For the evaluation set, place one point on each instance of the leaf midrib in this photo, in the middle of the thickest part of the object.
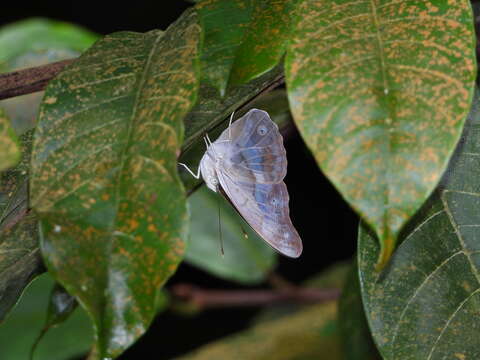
(123, 159)
(381, 56)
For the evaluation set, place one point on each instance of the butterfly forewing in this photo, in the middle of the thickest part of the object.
(255, 150)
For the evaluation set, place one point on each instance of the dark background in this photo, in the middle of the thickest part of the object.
(326, 224)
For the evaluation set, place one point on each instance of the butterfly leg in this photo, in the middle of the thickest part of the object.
(196, 176)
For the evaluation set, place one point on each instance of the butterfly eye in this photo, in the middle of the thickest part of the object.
(262, 130)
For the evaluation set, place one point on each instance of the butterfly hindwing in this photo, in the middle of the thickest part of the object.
(265, 208)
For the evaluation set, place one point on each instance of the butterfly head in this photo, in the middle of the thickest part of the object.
(208, 171)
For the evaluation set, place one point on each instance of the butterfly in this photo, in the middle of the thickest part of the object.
(247, 164)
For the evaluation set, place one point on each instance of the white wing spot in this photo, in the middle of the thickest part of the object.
(57, 228)
(262, 130)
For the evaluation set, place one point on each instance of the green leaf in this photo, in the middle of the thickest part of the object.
(18, 333)
(18, 231)
(20, 259)
(39, 35)
(265, 42)
(306, 335)
(246, 260)
(9, 149)
(36, 42)
(425, 304)
(357, 340)
(242, 39)
(224, 23)
(380, 94)
(60, 306)
(104, 182)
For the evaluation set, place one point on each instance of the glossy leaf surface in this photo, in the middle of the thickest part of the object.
(425, 304)
(9, 147)
(104, 181)
(246, 259)
(379, 91)
(20, 259)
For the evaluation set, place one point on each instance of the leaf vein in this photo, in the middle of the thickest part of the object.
(459, 307)
(417, 291)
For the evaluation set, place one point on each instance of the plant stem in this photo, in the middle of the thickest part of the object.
(209, 298)
(29, 80)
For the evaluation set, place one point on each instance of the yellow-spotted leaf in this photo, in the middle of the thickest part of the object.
(379, 91)
(425, 304)
(9, 149)
(104, 183)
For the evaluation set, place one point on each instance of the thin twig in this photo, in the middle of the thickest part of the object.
(278, 282)
(209, 298)
(29, 80)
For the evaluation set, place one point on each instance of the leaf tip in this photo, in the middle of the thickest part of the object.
(387, 246)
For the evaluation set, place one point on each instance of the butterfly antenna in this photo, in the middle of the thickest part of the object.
(230, 127)
(220, 228)
(208, 138)
(210, 141)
